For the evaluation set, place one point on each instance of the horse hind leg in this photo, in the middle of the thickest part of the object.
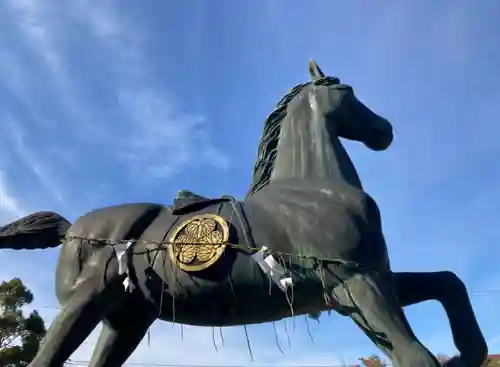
(77, 318)
(447, 288)
(74, 323)
(372, 303)
(122, 331)
(85, 295)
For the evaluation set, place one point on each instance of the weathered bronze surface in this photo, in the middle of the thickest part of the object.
(306, 211)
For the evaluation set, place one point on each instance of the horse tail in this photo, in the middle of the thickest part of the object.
(39, 230)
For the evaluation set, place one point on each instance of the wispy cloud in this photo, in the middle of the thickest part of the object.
(32, 159)
(10, 207)
(147, 130)
(31, 16)
(61, 135)
(41, 29)
(162, 141)
(159, 137)
(93, 112)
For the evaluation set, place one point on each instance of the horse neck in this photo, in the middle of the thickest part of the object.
(307, 151)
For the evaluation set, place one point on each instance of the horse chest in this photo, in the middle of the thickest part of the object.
(314, 219)
(329, 216)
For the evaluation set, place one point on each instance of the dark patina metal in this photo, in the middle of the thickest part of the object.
(306, 205)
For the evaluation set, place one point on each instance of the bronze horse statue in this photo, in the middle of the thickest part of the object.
(307, 238)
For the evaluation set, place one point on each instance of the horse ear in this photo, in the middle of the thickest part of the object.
(314, 70)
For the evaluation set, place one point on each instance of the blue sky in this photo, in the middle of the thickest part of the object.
(105, 102)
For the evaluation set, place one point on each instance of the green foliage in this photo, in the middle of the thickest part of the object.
(20, 336)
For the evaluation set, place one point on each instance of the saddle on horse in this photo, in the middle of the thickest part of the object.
(187, 201)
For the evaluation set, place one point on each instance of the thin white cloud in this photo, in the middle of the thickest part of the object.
(159, 136)
(146, 124)
(155, 134)
(10, 206)
(40, 25)
(30, 14)
(45, 174)
(151, 132)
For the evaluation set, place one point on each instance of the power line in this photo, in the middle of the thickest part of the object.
(136, 364)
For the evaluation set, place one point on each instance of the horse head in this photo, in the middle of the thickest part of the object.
(345, 115)
(300, 138)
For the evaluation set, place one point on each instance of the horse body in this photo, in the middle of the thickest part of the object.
(306, 205)
(234, 291)
(287, 216)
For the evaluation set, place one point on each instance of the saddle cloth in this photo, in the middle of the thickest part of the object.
(187, 202)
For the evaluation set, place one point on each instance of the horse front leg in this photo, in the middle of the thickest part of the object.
(371, 301)
(447, 288)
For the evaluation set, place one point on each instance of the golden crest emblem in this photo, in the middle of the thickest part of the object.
(199, 242)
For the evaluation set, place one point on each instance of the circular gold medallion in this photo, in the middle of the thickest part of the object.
(198, 242)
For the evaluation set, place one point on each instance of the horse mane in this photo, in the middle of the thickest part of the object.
(268, 145)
